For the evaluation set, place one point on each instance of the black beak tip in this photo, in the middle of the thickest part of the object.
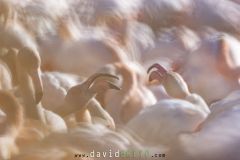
(112, 86)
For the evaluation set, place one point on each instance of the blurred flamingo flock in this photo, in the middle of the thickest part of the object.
(79, 77)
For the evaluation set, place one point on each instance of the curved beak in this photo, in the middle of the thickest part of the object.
(159, 67)
(113, 86)
(155, 75)
(102, 86)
